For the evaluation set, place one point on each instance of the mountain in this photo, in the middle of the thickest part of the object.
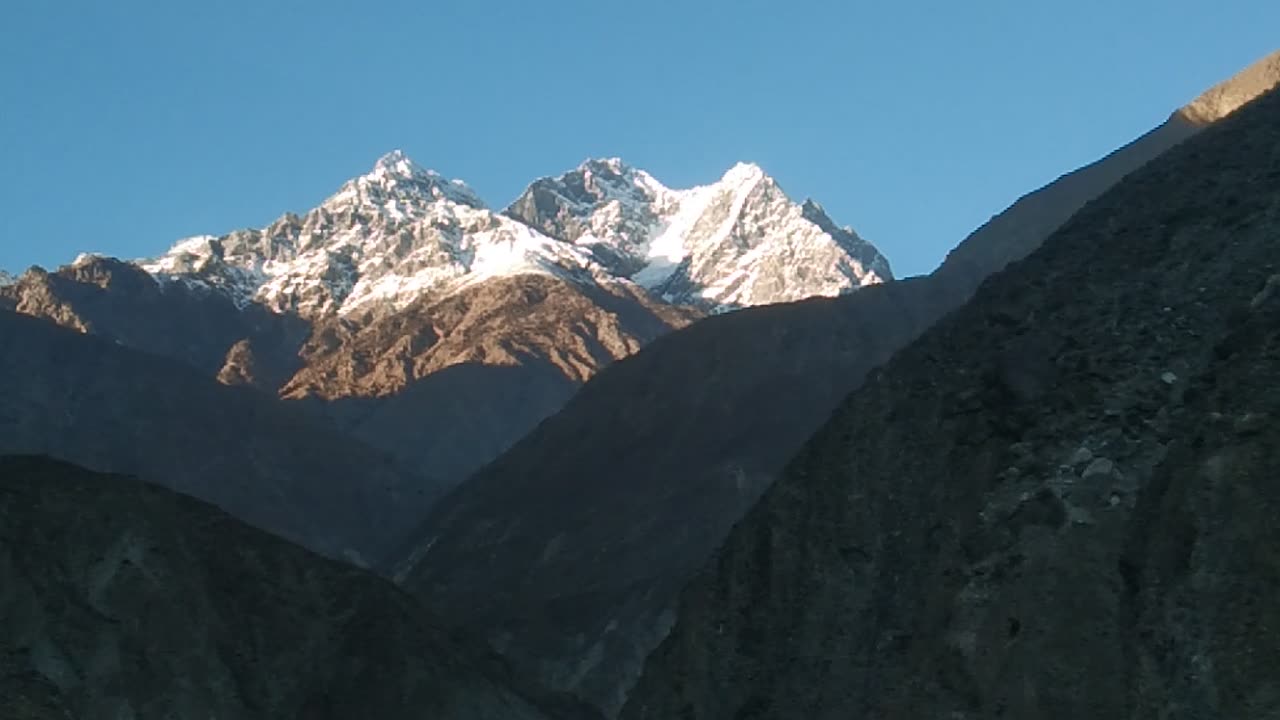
(121, 302)
(400, 232)
(123, 599)
(436, 329)
(1058, 503)
(448, 384)
(381, 242)
(735, 243)
(570, 548)
(113, 408)
(6, 279)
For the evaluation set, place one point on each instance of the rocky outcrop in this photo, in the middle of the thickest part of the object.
(121, 599)
(1078, 525)
(1229, 95)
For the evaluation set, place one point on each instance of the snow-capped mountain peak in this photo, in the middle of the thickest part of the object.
(743, 174)
(736, 242)
(399, 187)
(613, 179)
(385, 238)
(399, 164)
(400, 231)
(609, 164)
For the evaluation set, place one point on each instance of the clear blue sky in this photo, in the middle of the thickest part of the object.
(125, 125)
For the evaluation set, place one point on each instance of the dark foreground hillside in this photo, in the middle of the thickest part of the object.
(120, 599)
(1061, 502)
(569, 550)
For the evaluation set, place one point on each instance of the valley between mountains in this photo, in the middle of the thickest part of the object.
(620, 450)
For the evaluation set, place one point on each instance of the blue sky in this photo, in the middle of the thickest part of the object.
(125, 125)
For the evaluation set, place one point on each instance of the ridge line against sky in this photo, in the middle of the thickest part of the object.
(142, 123)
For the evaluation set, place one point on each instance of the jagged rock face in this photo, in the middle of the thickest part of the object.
(241, 367)
(575, 328)
(450, 384)
(735, 243)
(122, 599)
(710, 416)
(112, 408)
(604, 205)
(1081, 526)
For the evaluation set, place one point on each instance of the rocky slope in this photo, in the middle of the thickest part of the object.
(1058, 503)
(112, 408)
(122, 599)
(569, 548)
(450, 383)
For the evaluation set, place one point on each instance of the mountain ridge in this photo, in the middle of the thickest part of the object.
(352, 308)
(1229, 95)
(400, 231)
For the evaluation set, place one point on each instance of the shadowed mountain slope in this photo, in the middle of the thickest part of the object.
(568, 549)
(111, 408)
(122, 599)
(1058, 503)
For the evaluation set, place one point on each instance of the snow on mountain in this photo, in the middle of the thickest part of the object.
(737, 242)
(400, 231)
(388, 236)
